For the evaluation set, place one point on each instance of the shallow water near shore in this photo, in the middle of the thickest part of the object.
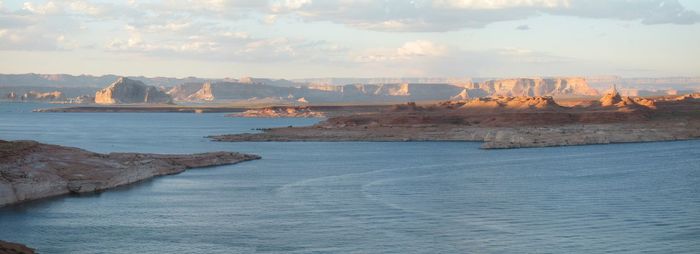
(363, 197)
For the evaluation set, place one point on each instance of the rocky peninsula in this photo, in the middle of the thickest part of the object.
(14, 248)
(30, 170)
(509, 122)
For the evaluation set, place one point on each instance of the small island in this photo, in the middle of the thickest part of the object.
(31, 170)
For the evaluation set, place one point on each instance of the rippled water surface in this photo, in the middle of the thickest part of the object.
(423, 197)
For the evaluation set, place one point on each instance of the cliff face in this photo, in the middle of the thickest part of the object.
(537, 87)
(203, 94)
(125, 90)
(396, 92)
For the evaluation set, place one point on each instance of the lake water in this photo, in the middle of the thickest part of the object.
(421, 197)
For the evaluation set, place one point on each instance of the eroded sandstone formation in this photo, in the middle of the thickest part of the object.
(30, 170)
(537, 87)
(126, 90)
(280, 111)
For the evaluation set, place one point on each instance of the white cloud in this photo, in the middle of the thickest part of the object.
(408, 51)
(49, 7)
(421, 48)
(281, 5)
(499, 4)
(446, 15)
(87, 8)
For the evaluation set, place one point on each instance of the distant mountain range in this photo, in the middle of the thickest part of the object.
(332, 90)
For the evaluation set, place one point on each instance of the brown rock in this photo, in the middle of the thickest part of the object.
(125, 90)
(273, 112)
(14, 248)
(30, 170)
(38, 96)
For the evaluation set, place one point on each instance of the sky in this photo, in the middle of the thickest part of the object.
(352, 38)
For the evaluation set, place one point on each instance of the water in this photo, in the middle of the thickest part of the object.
(428, 197)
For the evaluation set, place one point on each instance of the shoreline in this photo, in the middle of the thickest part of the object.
(490, 138)
(141, 108)
(31, 170)
(507, 122)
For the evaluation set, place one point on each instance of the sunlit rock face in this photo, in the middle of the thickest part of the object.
(38, 96)
(126, 90)
(383, 92)
(614, 99)
(537, 87)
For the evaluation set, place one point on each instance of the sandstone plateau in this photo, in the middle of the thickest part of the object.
(396, 92)
(126, 90)
(508, 122)
(30, 170)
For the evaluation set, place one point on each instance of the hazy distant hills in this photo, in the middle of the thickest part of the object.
(65, 80)
(390, 92)
(235, 91)
(332, 90)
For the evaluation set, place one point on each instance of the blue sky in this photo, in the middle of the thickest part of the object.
(352, 38)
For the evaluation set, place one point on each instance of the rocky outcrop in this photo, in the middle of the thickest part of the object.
(126, 90)
(688, 97)
(14, 248)
(83, 99)
(276, 112)
(37, 96)
(614, 99)
(30, 170)
(513, 103)
(203, 94)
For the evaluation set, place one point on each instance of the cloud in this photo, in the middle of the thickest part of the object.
(49, 7)
(523, 27)
(447, 15)
(499, 4)
(245, 31)
(425, 58)
(229, 46)
(408, 51)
